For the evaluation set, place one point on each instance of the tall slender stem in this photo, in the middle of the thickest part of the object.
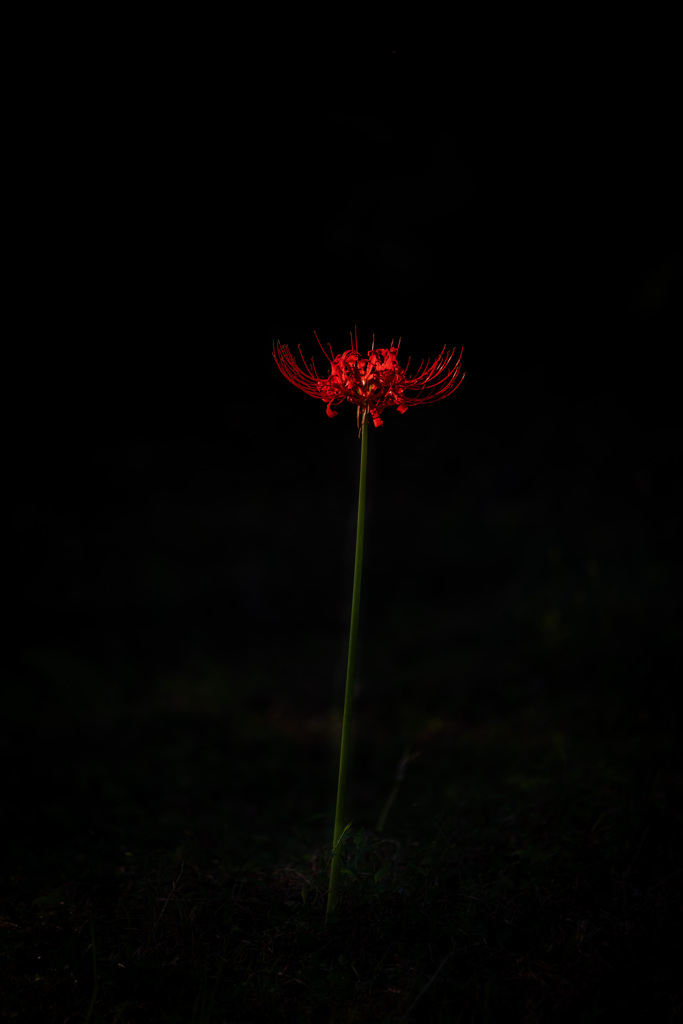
(335, 868)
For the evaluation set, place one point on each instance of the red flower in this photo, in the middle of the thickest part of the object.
(374, 382)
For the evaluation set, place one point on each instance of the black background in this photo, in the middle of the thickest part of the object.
(175, 500)
(181, 519)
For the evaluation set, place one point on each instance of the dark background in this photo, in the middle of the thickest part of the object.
(179, 548)
(181, 217)
(178, 509)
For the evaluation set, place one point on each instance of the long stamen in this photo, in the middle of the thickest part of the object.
(320, 343)
(374, 382)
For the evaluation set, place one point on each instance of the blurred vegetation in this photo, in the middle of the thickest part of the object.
(171, 728)
(166, 852)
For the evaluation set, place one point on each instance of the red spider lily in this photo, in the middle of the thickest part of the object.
(374, 382)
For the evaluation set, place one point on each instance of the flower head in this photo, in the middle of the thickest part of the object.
(373, 382)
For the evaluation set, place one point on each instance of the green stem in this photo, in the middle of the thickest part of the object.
(335, 868)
